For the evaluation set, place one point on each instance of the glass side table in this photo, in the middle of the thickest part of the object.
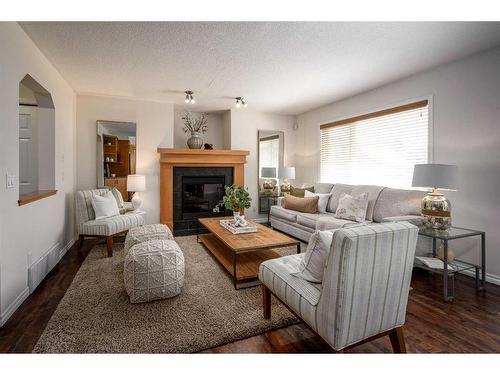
(450, 269)
(266, 200)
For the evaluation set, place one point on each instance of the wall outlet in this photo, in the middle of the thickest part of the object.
(10, 181)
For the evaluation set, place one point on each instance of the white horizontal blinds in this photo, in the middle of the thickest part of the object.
(269, 153)
(376, 149)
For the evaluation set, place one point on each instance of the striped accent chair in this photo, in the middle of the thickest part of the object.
(108, 227)
(364, 291)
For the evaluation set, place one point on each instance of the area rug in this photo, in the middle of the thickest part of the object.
(95, 315)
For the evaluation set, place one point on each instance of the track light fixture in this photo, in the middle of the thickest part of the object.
(240, 102)
(189, 97)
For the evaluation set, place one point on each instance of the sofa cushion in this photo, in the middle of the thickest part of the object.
(321, 187)
(337, 191)
(299, 192)
(111, 225)
(301, 295)
(328, 222)
(397, 202)
(307, 220)
(284, 213)
(309, 205)
(373, 192)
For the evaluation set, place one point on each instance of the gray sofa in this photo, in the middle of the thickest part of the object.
(385, 205)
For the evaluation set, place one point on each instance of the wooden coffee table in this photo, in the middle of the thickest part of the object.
(242, 254)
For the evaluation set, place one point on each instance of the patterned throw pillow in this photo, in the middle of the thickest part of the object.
(312, 265)
(118, 196)
(352, 208)
(300, 192)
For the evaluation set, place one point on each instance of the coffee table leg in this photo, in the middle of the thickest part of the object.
(298, 248)
(235, 280)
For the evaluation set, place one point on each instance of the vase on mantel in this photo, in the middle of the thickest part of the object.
(195, 141)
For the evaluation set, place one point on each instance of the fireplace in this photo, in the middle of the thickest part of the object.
(197, 190)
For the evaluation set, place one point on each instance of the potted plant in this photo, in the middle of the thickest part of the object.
(236, 199)
(195, 126)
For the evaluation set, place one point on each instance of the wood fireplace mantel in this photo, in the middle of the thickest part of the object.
(184, 157)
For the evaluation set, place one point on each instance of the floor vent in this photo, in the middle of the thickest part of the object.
(42, 267)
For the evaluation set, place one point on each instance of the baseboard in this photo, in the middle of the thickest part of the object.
(14, 306)
(490, 278)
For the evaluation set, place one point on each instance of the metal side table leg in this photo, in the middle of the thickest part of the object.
(483, 261)
(446, 296)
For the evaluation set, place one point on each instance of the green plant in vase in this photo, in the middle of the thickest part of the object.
(236, 199)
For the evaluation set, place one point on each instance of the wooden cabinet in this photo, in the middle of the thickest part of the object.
(120, 183)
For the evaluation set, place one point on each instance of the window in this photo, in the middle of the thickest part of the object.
(269, 152)
(378, 148)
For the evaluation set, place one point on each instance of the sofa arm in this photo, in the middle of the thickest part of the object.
(412, 219)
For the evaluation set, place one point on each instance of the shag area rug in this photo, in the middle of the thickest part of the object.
(95, 315)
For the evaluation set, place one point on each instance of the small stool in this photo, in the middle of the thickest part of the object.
(153, 270)
(145, 233)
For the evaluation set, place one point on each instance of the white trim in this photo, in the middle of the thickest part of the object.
(11, 309)
(490, 278)
(64, 250)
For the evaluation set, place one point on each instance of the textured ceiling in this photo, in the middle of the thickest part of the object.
(277, 67)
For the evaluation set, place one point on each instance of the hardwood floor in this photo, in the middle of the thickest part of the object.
(470, 324)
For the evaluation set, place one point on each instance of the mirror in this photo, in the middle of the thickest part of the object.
(116, 154)
(271, 157)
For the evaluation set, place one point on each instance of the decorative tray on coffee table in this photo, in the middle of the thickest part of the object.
(230, 226)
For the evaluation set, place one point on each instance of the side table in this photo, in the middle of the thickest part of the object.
(450, 269)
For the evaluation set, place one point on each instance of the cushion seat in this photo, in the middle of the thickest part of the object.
(283, 213)
(328, 222)
(110, 225)
(299, 294)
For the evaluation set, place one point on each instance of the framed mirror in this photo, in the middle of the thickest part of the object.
(271, 149)
(116, 154)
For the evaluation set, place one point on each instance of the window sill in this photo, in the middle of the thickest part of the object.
(35, 196)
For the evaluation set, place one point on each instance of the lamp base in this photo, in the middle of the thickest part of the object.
(436, 211)
(285, 186)
(136, 202)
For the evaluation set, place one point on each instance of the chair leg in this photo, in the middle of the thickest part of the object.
(109, 245)
(266, 302)
(398, 340)
(81, 238)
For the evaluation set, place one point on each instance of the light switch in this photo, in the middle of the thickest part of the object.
(11, 181)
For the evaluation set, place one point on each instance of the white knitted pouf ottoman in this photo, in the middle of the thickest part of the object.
(145, 233)
(153, 270)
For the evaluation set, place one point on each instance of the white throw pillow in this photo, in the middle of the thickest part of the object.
(313, 263)
(104, 206)
(322, 201)
(352, 208)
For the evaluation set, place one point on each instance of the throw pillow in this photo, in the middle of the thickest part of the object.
(104, 206)
(322, 202)
(118, 196)
(300, 192)
(307, 205)
(312, 265)
(352, 208)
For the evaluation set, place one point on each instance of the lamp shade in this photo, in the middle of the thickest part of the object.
(268, 172)
(286, 172)
(136, 182)
(442, 176)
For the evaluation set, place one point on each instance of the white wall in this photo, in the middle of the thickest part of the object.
(27, 232)
(244, 126)
(155, 124)
(466, 132)
(214, 135)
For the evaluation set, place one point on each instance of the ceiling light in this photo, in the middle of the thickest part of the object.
(189, 97)
(240, 102)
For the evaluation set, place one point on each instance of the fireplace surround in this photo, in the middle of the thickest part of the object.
(214, 163)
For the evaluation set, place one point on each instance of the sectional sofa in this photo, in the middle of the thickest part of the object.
(385, 205)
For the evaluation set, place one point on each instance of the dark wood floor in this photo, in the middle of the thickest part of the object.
(470, 324)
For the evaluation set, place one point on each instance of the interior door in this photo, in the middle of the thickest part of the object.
(28, 150)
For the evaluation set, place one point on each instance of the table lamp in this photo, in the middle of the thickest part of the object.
(436, 209)
(135, 183)
(286, 173)
(269, 173)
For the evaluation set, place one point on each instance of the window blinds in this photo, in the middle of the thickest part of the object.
(380, 148)
(269, 153)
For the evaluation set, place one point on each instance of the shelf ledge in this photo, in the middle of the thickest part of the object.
(35, 196)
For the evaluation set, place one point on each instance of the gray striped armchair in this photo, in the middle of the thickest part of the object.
(364, 292)
(106, 228)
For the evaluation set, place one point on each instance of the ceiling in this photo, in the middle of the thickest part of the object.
(278, 67)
